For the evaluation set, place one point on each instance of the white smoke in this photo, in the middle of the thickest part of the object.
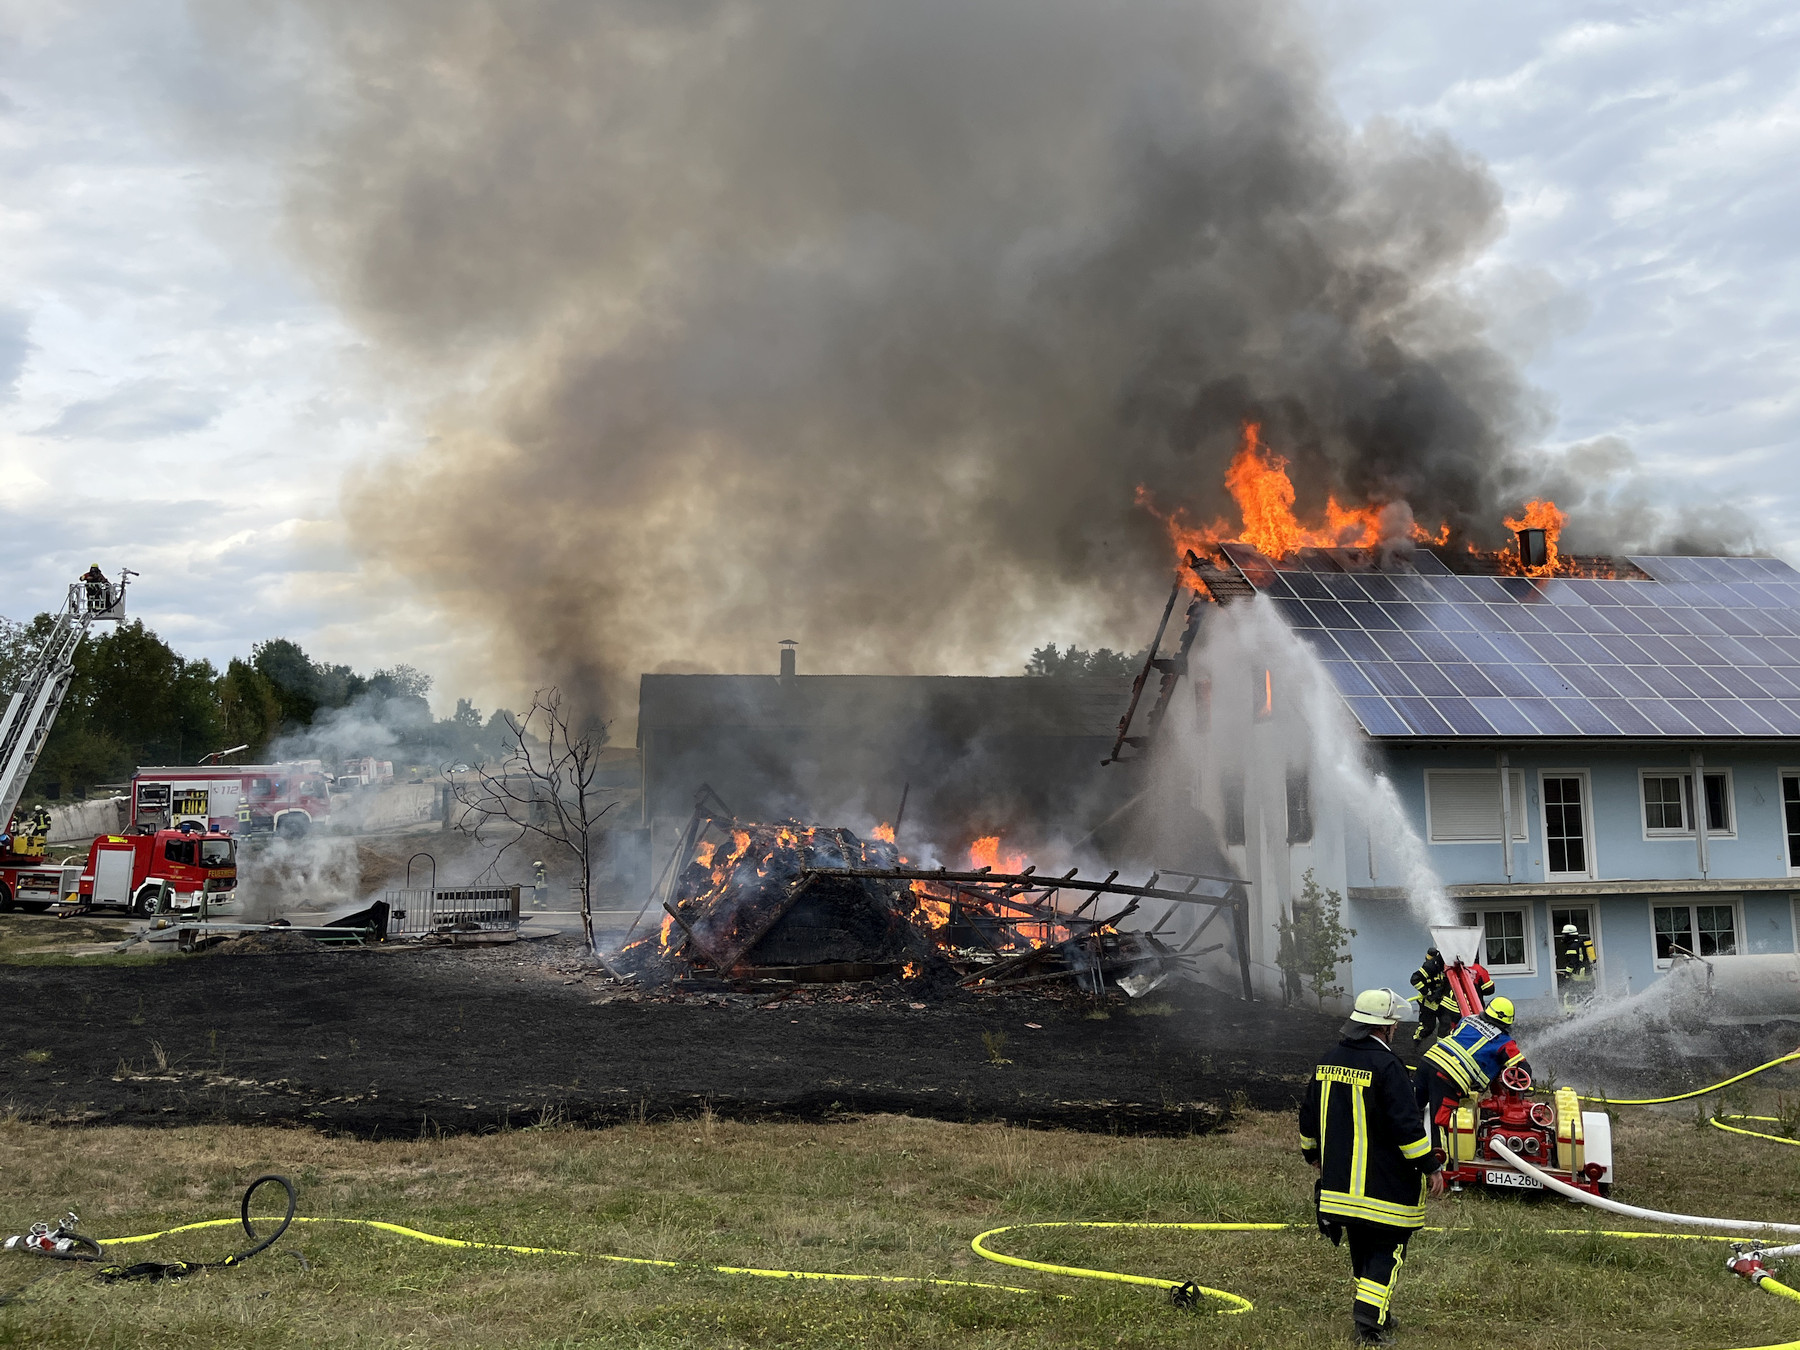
(1265, 713)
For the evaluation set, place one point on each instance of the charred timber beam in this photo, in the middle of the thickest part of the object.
(693, 937)
(773, 917)
(1023, 882)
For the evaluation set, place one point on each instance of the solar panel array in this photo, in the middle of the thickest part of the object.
(1706, 647)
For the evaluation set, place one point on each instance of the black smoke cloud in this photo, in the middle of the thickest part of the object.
(858, 322)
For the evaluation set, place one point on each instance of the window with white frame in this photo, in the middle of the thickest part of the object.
(1790, 819)
(1669, 806)
(1568, 831)
(1462, 806)
(1506, 947)
(1694, 930)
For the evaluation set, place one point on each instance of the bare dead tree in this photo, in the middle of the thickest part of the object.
(542, 789)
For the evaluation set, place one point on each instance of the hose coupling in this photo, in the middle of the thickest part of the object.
(1749, 1263)
(1186, 1294)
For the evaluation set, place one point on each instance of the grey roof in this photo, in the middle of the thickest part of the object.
(974, 706)
(1692, 647)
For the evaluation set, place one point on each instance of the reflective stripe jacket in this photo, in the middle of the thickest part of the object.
(1473, 1054)
(1361, 1124)
(1429, 980)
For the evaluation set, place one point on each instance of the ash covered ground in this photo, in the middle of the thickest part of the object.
(402, 1040)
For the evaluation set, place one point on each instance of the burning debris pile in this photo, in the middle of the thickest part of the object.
(805, 904)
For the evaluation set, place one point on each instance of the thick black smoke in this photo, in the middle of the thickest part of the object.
(859, 321)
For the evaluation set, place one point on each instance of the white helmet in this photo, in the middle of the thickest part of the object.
(1569, 930)
(1380, 1008)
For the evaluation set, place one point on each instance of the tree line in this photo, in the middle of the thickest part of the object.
(134, 700)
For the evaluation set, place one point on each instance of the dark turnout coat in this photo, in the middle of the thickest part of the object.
(1361, 1124)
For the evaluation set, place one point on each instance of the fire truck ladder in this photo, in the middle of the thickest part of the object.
(32, 710)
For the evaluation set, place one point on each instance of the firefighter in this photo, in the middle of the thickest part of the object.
(40, 822)
(539, 884)
(98, 591)
(243, 815)
(1463, 1063)
(1359, 1126)
(1437, 1006)
(1574, 964)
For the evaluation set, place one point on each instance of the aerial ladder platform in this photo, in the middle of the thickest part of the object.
(31, 711)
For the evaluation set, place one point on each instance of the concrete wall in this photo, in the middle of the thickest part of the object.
(84, 820)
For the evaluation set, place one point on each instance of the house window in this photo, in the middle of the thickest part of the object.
(1462, 806)
(1233, 791)
(1506, 939)
(1299, 808)
(1694, 930)
(1790, 809)
(1665, 804)
(1669, 802)
(1566, 851)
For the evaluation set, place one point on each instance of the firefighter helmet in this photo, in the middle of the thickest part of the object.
(1501, 1010)
(1569, 930)
(1378, 1007)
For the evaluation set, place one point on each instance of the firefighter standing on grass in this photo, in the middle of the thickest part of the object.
(1360, 1127)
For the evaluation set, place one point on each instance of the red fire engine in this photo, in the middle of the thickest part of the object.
(189, 869)
(286, 799)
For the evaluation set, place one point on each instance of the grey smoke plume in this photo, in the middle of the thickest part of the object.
(859, 322)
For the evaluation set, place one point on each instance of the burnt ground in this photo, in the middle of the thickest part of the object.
(384, 1042)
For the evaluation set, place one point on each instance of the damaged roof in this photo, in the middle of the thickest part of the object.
(1686, 648)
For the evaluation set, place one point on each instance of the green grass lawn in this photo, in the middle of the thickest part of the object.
(886, 1195)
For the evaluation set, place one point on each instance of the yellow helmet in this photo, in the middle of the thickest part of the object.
(1501, 1010)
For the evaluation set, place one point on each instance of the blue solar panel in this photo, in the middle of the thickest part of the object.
(1704, 647)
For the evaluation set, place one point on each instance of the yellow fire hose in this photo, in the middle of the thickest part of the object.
(1184, 1292)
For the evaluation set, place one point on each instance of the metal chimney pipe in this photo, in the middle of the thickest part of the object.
(787, 658)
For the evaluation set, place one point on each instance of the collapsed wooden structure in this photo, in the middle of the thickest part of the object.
(785, 901)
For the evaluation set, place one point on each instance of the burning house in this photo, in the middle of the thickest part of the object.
(1519, 740)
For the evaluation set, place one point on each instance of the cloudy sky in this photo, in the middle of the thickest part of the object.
(175, 396)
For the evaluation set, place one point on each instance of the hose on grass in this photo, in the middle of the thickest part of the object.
(175, 1270)
(1697, 1092)
(438, 1240)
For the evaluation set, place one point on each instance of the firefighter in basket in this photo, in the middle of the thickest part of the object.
(1438, 1014)
(1360, 1128)
(1476, 1052)
(1574, 965)
(99, 591)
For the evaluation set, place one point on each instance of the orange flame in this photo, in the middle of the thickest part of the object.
(1539, 515)
(1258, 481)
(985, 852)
(885, 832)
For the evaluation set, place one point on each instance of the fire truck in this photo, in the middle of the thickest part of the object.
(187, 870)
(27, 881)
(152, 870)
(282, 799)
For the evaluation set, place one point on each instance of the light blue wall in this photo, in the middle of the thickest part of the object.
(1390, 939)
(1620, 849)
